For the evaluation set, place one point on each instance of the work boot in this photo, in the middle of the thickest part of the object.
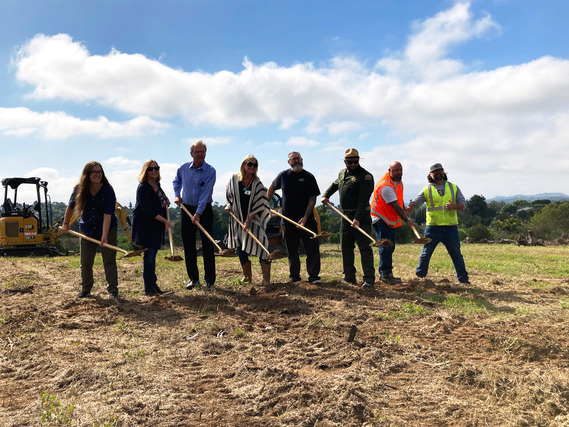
(389, 278)
(266, 270)
(247, 275)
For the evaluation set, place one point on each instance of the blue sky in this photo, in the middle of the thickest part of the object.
(481, 86)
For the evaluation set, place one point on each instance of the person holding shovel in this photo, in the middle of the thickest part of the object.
(355, 186)
(443, 200)
(248, 206)
(299, 190)
(93, 199)
(149, 222)
(387, 215)
(193, 186)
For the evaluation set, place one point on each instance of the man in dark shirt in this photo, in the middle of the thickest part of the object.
(299, 190)
(355, 185)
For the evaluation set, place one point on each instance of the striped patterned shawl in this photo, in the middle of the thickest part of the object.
(257, 203)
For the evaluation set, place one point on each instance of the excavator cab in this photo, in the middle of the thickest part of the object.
(26, 229)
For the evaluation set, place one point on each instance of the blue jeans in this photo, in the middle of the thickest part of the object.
(149, 270)
(448, 236)
(384, 231)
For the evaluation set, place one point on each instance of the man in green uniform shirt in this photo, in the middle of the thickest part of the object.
(355, 185)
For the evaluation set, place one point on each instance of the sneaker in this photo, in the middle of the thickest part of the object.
(367, 285)
(389, 278)
(315, 282)
(192, 284)
(83, 294)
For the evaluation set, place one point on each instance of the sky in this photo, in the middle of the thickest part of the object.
(481, 86)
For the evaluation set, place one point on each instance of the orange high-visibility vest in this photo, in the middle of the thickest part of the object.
(384, 210)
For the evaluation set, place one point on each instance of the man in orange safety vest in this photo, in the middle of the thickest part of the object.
(387, 214)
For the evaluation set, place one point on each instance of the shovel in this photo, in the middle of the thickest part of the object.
(277, 254)
(383, 243)
(126, 253)
(224, 252)
(172, 257)
(419, 239)
(319, 236)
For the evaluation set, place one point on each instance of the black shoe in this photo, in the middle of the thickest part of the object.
(83, 294)
(158, 290)
(466, 282)
(152, 294)
(294, 280)
(367, 285)
(389, 278)
(114, 295)
(210, 287)
(192, 284)
(351, 280)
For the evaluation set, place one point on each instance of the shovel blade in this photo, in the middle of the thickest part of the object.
(134, 253)
(278, 254)
(322, 236)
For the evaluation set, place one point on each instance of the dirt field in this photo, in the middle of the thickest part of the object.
(426, 352)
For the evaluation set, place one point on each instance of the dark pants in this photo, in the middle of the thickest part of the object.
(149, 270)
(244, 257)
(293, 236)
(189, 239)
(88, 252)
(448, 236)
(384, 231)
(348, 238)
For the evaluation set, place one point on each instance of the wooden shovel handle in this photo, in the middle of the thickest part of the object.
(170, 232)
(200, 227)
(415, 231)
(249, 232)
(294, 223)
(116, 248)
(350, 221)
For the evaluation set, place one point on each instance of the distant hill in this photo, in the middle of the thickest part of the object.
(554, 197)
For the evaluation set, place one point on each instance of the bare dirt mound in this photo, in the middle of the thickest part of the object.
(278, 355)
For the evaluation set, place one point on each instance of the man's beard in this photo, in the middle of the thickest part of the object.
(439, 176)
(297, 168)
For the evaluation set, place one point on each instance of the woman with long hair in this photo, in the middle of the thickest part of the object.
(149, 222)
(247, 200)
(94, 200)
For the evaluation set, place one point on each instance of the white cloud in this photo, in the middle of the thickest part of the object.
(301, 141)
(21, 121)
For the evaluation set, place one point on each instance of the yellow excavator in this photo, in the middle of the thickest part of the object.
(30, 229)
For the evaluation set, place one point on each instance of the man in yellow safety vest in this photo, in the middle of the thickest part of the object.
(443, 200)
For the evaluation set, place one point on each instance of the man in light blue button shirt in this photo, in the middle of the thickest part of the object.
(193, 186)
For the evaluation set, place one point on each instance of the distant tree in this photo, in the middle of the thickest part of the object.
(510, 209)
(479, 233)
(541, 202)
(551, 221)
(522, 203)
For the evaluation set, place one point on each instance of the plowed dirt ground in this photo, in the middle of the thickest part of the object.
(426, 352)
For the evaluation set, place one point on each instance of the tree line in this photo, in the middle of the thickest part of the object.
(479, 221)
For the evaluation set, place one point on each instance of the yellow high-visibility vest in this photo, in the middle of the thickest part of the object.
(437, 214)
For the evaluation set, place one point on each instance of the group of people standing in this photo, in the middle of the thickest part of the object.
(94, 200)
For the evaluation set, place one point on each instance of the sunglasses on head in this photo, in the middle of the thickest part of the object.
(156, 168)
(251, 164)
(352, 162)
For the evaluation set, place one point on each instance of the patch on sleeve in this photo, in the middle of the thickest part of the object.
(368, 177)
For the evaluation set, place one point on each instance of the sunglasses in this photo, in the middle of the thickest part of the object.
(251, 164)
(352, 162)
(157, 168)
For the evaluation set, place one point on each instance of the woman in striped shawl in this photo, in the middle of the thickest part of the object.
(247, 199)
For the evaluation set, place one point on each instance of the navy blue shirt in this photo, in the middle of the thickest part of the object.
(297, 189)
(104, 202)
(146, 230)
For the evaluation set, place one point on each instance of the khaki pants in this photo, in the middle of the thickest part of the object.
(88, 252)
